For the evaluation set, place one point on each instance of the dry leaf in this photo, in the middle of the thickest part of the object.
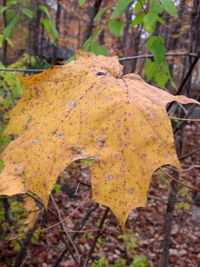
(87, 109)
(31, 207)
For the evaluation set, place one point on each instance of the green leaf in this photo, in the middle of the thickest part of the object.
(137, 20)
(3, 9)
(27, 12)
(149, 20)
(8, 30)
(116, 27)
(150, 41)
(53, 30)
(161, 79)
(70, 60)
(167, 72)
(139, 5)
(1, 40)
(150, 69)
(158, 49)
(81, 2)
(148, 28)
(9, 41)
(120, 7)
(98, 49)
(173, 84)
(165, 68)
(87, 43)
(156, 8)
(49, 26)
(45, 10)
(2, 165)
(161, 20)
(170, 7)
(10, 14)
(100, 13)
(12, 2)
(46, 23)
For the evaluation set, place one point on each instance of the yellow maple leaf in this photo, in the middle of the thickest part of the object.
(88, 109)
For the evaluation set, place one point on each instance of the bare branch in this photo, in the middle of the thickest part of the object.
(78, 261)
(96, 237)
(120, 59)
(151, 56)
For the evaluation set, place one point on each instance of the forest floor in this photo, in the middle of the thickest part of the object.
(145, 226)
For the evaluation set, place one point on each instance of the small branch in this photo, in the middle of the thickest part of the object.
(168, 223)
(78, 261)
(96, 237)
(184, 119)
(166, 199)
(143, 7)
(53, 225)
(158, 198)
(177, 181)
(78, 228)
(22, 70)
(7, 210)
(181, 123)
(22, 252)
(190, 167)
(189, 73)
(80, 182)
(120, 59)
(186, 77)
(151, 56)
(40, 203)
(83, 231)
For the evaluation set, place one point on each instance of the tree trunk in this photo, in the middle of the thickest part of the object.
(92, 13)
(5, 43)
(58, 12)
(36, 30)
(102, 33)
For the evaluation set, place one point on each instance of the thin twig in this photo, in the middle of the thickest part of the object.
(120, 59)
(158, 198)
(189, 73)
(40, 202)
(177, 181)
(166, 200)
(168, 223)
(189, 154)
(78, 261)
(184, 119)
(81, 231)
(151, 56)
(78, 228)
(186, 77)
(53, 225)
(181, 123)
(143, 7)
(96, 237)
(22, 70)
(22, 252)
(80, 182)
